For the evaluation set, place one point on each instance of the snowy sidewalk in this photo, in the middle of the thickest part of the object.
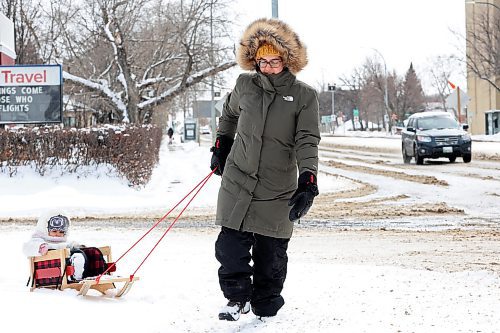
(179, 292)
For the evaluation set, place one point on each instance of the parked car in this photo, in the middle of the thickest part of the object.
(435, 134)
(205, 130)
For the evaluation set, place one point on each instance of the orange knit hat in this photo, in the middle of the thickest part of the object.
(266, 50)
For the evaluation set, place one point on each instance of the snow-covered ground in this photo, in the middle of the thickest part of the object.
(178, 290)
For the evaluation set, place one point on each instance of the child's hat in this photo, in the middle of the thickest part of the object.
(58, 223)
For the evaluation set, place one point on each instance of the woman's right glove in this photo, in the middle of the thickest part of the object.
(220, 151)
(303, 197)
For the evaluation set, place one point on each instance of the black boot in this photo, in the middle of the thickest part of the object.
(232, 310)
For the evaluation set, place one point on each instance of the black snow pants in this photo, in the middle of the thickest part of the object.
(232, 250)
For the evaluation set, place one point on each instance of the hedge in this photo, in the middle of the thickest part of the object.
(132, 151)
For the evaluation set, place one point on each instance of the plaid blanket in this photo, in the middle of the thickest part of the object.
(96, 264)
(43, 269)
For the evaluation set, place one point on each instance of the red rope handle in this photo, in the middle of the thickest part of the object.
(203, 182)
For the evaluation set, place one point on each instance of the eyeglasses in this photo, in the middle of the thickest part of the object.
(274, 63)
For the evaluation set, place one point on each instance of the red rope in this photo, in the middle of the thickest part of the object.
(202, 182)
(172, 224)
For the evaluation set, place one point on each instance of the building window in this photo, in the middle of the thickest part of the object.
(492, 123)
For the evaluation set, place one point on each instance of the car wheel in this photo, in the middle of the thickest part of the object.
(406, 158)
(453, 159)
(467, 158)
(418, 159)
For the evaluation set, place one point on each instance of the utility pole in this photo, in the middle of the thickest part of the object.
(186, 96)
(332, 117)
(213, 121)
(275, 8)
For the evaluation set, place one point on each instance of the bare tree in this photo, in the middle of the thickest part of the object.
(132, 56)
(354, 83)
(439, 71)
(367, 82)
(483, 44)
(26, 16)
(395, 85)
(374, 91)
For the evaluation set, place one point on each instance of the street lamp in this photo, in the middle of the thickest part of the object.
(386, 101)
(332, 89)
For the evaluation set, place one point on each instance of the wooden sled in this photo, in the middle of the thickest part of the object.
(50, 271)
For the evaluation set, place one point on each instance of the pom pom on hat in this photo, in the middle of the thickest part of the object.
(266, 50)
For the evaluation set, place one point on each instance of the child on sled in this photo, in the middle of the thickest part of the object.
(51, 233)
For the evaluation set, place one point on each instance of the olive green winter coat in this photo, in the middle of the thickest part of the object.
(275, 119)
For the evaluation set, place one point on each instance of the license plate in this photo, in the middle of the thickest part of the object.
(447, 149)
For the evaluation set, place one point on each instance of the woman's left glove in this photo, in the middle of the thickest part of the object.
(303, 197)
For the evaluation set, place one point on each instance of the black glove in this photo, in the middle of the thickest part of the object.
(220, 151)
(303, 197)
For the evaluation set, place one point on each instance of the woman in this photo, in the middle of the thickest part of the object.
(275, 117)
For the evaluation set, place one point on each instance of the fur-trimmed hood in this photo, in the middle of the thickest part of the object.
(277, 33)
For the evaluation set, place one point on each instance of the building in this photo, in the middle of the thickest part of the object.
(77, 114)
(483, 36)
(7, 44)
(203, 109)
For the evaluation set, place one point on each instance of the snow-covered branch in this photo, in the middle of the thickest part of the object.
(191, 80)
(103, 88)
(145, 80)
(115, 44)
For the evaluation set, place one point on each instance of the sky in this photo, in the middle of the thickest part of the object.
(341, 34)
(178, 289)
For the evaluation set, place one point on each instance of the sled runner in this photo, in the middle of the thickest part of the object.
(53, 269)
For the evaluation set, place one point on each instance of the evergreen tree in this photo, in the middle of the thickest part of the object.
(412, 97)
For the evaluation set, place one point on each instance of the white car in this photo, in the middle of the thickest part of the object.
(205, 130)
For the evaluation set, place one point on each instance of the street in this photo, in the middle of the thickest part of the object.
(390, 193)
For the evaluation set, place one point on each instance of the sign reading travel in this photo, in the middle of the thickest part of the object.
(30, 94)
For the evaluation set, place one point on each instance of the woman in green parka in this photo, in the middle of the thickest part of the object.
(268, 135)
